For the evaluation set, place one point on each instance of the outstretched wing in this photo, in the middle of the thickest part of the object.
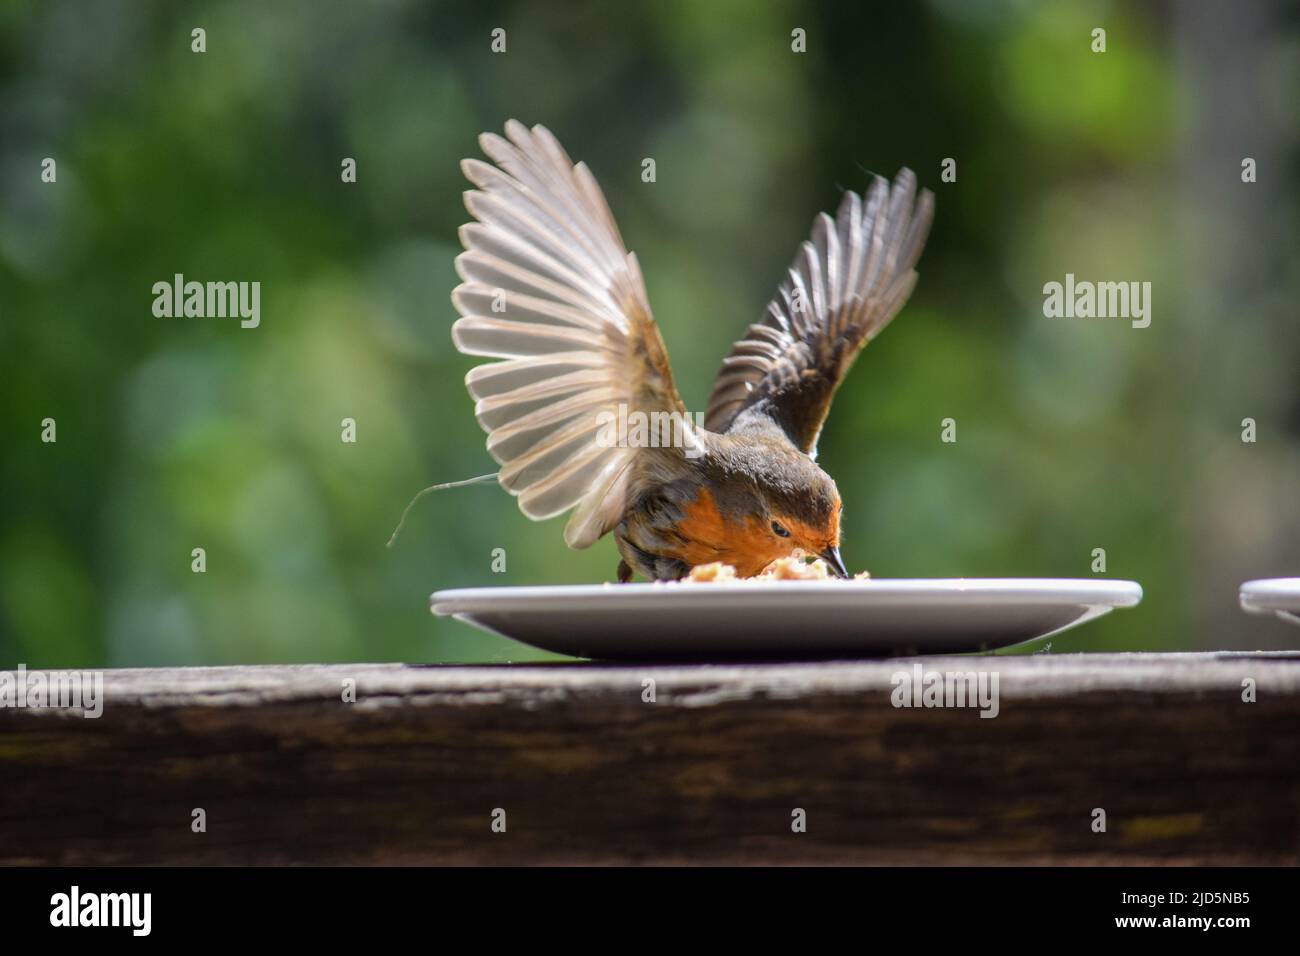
(846, 283)
(549, 288)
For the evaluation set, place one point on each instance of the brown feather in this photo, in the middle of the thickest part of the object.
(845, 285)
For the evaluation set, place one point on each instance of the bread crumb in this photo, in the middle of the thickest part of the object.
(782, 569)
(795, 569)
(714, 571)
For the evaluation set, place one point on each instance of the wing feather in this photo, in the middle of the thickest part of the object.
(548, 286)
(848, 280)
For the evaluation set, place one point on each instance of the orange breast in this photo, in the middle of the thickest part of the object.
(709, 536)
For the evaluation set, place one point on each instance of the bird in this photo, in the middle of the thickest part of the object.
(551, 295)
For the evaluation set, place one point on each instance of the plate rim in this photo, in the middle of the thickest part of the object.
(1268, 595)
(1092, 592)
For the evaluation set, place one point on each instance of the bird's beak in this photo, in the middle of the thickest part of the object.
(832, 557)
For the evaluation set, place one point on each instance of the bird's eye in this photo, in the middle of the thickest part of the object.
(780, 529)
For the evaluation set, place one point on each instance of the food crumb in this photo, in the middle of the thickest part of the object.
(795, 569)
(714, 571)
(782, 569)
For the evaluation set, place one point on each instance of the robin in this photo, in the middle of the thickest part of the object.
(550, 289)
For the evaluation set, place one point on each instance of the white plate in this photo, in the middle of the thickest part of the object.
(790, 620)
(1280, 596)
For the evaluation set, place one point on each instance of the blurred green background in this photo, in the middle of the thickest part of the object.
(1073, 434)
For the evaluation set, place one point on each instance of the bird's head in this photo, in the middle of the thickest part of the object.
(803, 509)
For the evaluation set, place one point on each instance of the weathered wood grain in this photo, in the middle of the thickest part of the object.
(710, 772)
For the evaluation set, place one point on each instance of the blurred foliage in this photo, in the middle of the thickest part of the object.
(1072, 434)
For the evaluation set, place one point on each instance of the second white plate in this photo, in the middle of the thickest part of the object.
(1280, 596)
(785, 620)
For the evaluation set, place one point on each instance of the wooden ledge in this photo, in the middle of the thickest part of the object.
(713, 770)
